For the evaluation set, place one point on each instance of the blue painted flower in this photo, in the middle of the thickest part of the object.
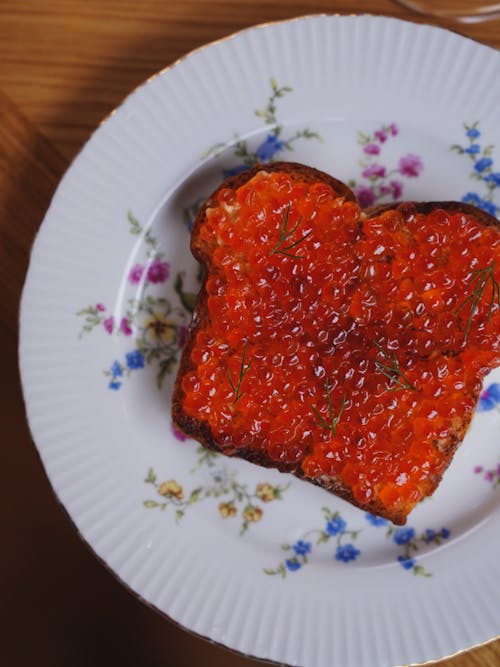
(407, 562)
(483, 164)
(114, 385)
(489, 398)
(346, 552)
(493, 178)
(292, 564)
(269, 147)
(445, 533)
(375, 520)
(302, 548)
(473, 149)
(135, 360)
(471, 198)
(489, 207)
(474, 199)
(335, 526)
(429, 535)
(473, 133)
(116, 369)
(403, 535)
(233, 171)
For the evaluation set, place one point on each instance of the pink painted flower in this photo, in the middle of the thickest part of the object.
(489, 475)
(374, 171)
(396, 189)
(177, 433)
(393, 129)
(478, 469)
(385, 190)
(366, 196)
(158, 272)
(125, 327)
(109, 324)
(410, 165)
(371, 149)
(100, 307)
(135, 274)
(381, 136)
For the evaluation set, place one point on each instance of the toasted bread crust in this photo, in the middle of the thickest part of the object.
(200, 430)
(410, 208)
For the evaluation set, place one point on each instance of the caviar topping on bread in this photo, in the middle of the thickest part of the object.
(345, 347)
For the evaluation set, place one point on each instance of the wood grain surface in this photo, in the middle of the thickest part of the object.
(64, 65)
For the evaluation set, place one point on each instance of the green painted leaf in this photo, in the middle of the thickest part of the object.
(421, 571)
(195, 495)
(188, 299)
(135, 227)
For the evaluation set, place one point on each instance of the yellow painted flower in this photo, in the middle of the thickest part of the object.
(265, 492)
(252, 513)
(171, 488)
(227, 510)
(160, 329)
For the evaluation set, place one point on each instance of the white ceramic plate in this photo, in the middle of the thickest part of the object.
(256, 560)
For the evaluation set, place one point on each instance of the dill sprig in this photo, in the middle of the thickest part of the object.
(391, 370)
(480, 280)
(286, 233)
(243, 371)
(334, 419)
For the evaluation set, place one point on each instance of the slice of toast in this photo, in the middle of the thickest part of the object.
(345, 347)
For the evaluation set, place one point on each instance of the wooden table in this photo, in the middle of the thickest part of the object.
(64, 64)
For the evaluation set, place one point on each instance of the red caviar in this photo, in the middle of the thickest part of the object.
(308, 333)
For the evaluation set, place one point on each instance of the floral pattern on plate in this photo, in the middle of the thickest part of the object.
(489, 399)
(334, 527)
(274, 142)
(378, 181)
(156, 326)
(238, 499)
(406, 540)
(269, 149)
(488, 180)
(490, 475)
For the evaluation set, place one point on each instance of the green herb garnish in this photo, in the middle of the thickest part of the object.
(480, 280)
(391, 370)
(243, 371)
(285, 234)
(334, 419)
